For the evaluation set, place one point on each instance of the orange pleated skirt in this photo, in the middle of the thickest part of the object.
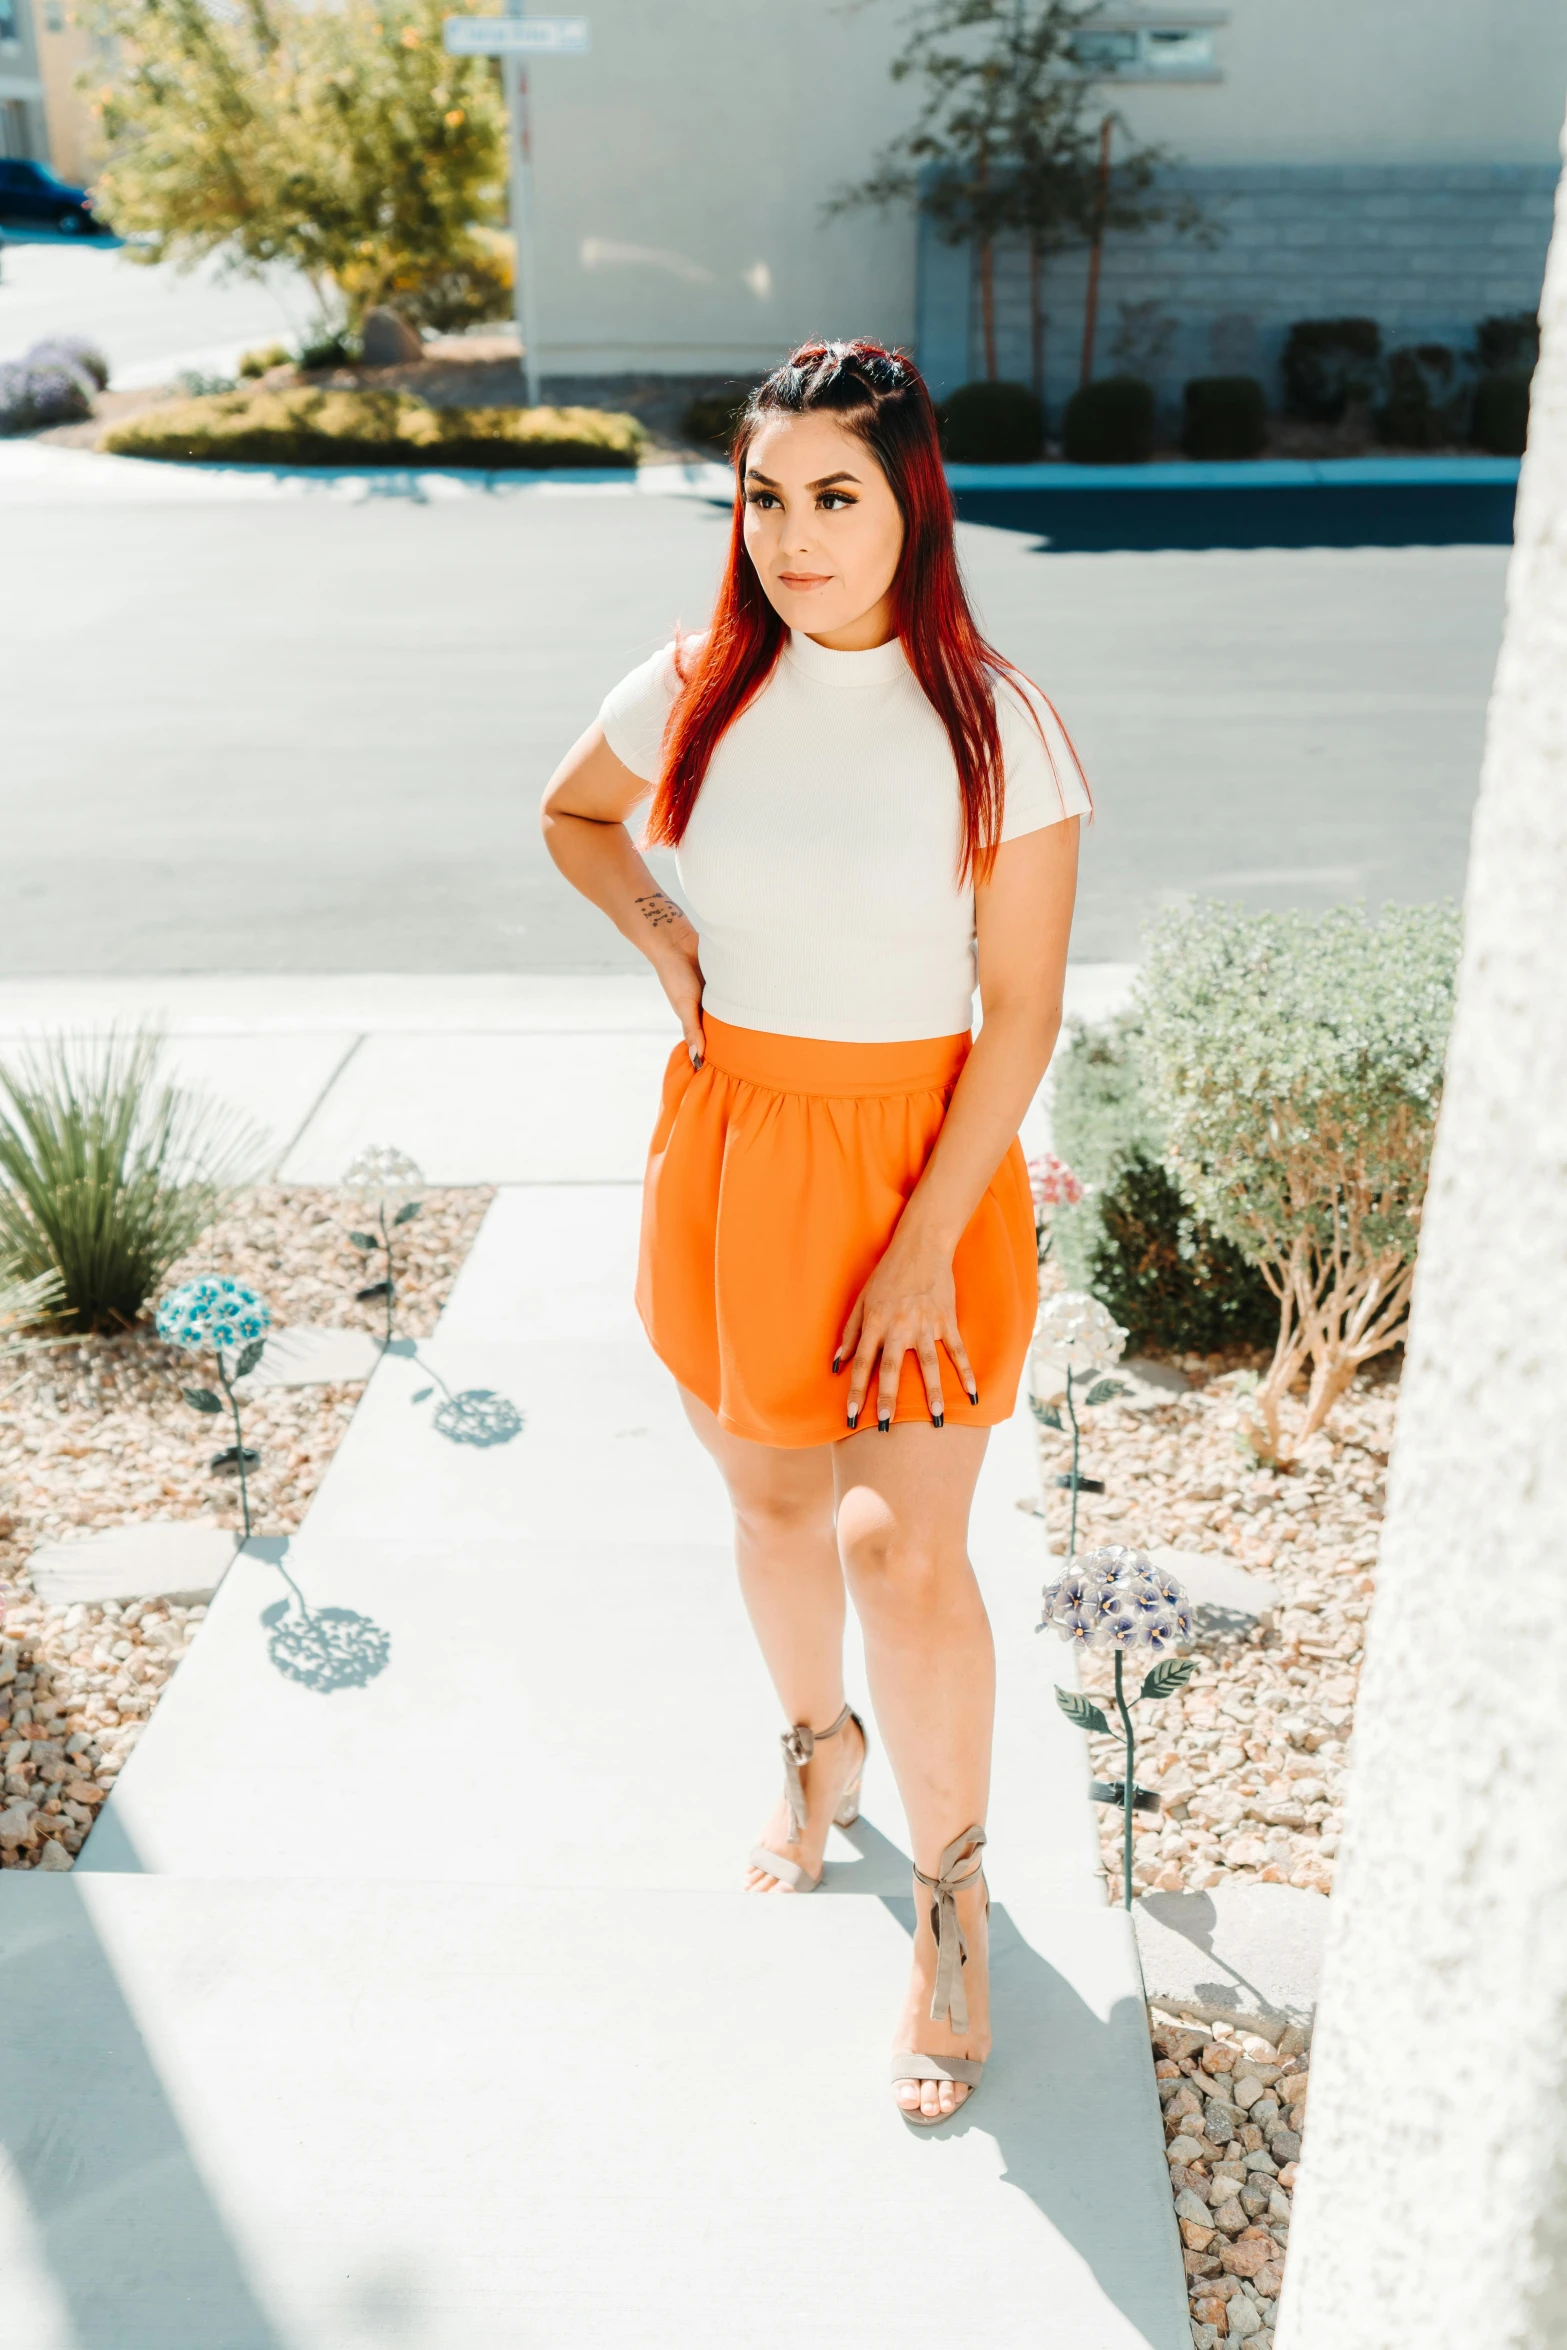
(775, 1178)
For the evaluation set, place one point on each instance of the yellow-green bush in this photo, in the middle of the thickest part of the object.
(317, 427)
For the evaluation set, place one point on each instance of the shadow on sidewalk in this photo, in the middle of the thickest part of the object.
(1069, 2099)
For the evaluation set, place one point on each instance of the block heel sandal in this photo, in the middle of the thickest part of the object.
(948, 2003)
(799, 1744)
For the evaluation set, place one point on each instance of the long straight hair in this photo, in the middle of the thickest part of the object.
(881, 398)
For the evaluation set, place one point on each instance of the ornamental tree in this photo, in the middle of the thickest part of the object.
(340, 141)
(1296, 1067)
(1006, 142)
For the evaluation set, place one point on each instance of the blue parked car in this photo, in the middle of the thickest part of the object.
(30, 192)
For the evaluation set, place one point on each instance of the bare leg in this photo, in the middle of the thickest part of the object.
(903, 1505)
(792, 1584)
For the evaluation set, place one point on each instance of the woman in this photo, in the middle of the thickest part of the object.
(869, 805)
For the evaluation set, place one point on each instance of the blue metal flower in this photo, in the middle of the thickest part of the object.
(220, 1314)
(1077, 1627)
(1146, 1598)
(1120, 1629)
(1161, 1634)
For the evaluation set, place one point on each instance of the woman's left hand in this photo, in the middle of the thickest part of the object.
(909, 1305)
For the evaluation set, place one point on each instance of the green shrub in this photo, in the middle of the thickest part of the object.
(318, 427)
(1499, 419)
(1508, 345)
(472, 287)
(1110, 422)
(710, 419)
(1295, 1065)
(1328, 362)
(327, 348)
(1224, 416)
(108, 1175)
(992, 424)
(1133, 1242)
(1420, 400)
(264, 359)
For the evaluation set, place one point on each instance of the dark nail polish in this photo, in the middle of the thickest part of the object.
(853, 1416)
(973, 1395)
(938, 1420)
(884, 1425)
(837, 1362)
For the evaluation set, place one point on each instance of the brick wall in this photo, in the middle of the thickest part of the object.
(1427, 251)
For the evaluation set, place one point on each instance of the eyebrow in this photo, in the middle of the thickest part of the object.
(753, 473)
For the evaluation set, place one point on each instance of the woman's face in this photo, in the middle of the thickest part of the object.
(823, 530)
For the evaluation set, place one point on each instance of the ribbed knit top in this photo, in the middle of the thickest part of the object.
(820, 862)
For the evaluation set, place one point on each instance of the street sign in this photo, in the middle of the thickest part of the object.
(516, 36)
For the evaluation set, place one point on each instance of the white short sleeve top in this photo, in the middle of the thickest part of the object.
(820, 862)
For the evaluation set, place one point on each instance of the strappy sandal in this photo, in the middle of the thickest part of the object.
(948, 2001)
(799, 1744)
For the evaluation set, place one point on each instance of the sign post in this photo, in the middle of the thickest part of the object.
(512, 38)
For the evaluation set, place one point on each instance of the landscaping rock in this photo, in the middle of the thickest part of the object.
(1246, 1955)
(388, 341)
(172, 1559)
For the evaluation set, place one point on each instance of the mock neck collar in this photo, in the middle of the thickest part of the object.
(876, 667)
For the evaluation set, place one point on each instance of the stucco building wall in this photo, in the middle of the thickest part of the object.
(1448, 1937)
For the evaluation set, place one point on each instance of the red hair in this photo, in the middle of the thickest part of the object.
(881, 398)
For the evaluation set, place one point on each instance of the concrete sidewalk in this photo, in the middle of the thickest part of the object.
(405, 1993)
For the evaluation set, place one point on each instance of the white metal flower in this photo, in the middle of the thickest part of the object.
(1116, 1598)
(221, 1314)
(382, 1176)
(1076, 1333)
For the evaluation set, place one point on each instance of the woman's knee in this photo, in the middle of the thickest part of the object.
(894, 1571)
(776, 1515)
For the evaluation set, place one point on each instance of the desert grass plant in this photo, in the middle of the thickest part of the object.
(109, 1173)
(1295, 1062)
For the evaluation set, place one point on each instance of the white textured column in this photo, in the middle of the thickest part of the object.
(1444, 2005)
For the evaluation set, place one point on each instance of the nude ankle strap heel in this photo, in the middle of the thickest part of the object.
(948, 2003)
(799, 1744)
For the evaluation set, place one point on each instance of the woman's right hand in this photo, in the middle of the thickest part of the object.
(679, 968)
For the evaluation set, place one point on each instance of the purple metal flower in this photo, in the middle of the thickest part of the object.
(1120, 1629)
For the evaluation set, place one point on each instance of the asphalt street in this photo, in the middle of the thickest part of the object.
(311, 735)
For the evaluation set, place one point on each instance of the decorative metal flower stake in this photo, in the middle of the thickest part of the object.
(382, 1178)
(1116, 1598)
(233, 1321)
(1076, 1338)
(1053, 1185)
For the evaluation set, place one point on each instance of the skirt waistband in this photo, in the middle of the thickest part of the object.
(824, 1065)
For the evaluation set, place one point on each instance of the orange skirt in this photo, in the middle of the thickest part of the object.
(776, 1176)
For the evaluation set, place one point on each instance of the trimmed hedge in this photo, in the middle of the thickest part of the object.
(1110, 422)
(992, 424)
(712, 419)
(1224, 416)
(1328, 362)
(1133, 1242)
(309, 427)
(1499, 420)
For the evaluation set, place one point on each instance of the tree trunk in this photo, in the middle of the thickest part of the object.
(987, 306)
(1036, 319)
(1445, 1991)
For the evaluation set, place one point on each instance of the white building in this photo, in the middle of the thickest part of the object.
(22, 129)
(1393, 158)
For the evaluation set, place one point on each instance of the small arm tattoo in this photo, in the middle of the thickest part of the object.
(659, 909)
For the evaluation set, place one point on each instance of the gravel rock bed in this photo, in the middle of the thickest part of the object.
(95, 1434)
(1250, 1759)
(1249, 1762)
(1234, 2109)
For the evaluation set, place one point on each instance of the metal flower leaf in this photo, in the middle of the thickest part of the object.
(407, 1213)
(364, 1240)
(1103, 1390)
(1045, 1413)
(1172, 1673)
(1080, 1710)
(201, 1399)
(250, 1358)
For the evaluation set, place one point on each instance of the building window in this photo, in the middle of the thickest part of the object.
(1163, 52)
(8, 21)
